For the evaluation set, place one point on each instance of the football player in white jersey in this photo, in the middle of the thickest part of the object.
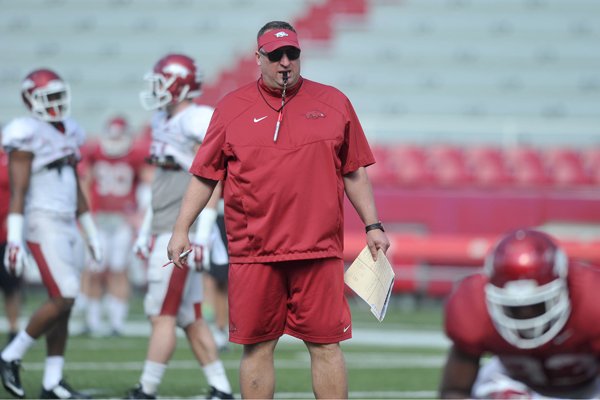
(46, 202)
(174, 296)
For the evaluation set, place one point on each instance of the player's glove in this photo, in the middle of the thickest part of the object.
(141, 246)
(201, 240)
(15, 257)
(91, 235)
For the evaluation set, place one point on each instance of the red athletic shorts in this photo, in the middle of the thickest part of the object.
(301, 298)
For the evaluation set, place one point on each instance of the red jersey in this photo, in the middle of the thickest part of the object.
(567, 361)
(114, 178)
(4, 195)
(284, 198)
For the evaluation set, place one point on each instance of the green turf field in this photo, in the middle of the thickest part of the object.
(398, 358)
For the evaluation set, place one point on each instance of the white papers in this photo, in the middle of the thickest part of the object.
(372, 280)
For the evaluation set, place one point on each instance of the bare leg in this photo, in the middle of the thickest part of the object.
(48, 315)
(330, 380)
(221, 308)
(257, 371)
(202, 342)
(118, 285)
(56, 337)
(118, 298)
(12, 306)
(162, 339)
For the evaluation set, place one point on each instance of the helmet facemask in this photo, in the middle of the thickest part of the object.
(50, 102)
(158, 94)
(174, 79)
(527, 315)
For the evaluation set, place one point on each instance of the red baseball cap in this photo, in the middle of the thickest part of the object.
(276, 38)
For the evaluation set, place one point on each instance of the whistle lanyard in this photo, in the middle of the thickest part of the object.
(280, 109)
(280, 115)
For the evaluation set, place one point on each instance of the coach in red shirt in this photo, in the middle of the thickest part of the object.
(286, 149)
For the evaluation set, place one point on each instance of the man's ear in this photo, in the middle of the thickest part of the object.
(258, 62)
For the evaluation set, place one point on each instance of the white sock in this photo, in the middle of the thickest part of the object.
(94, 315)
(118, 312)
(215, 375)
(152, 376)
(53, 371)
(17, 348)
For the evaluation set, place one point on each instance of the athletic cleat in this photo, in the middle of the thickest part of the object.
(62, 391)
(217, 394)
(138, 393)
(9, 372)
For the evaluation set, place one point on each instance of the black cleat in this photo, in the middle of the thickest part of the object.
(217, 394)
(138, 393)
(62, 391)
(9, 372)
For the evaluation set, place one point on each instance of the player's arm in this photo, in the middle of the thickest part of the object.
(459, 375)
(87, 222)
(196, 197)
(19, 170)
(201, 239)
(360, 193)
(82, 203)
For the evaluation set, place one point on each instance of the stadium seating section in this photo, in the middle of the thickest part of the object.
(445, 205)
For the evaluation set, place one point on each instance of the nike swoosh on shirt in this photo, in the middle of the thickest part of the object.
(346, 328)
(260, 119)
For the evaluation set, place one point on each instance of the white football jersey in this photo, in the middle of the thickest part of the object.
(50, 189)
(177, 136)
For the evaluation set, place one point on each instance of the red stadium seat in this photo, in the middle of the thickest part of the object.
(380, 173)
(487, 166)
(409, 166)
(566, 167)
(448, 166)
(316, 23)
(526, 166)
(591, 162)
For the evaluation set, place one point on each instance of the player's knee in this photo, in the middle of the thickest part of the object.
(63, 304)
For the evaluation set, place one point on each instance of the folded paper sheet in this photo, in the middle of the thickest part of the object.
(372, 281)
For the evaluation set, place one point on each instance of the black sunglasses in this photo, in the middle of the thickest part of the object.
(292, 53)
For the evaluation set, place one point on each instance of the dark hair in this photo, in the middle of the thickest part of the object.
(275, 25)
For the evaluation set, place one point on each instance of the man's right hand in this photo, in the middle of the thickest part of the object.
(178, 243)
(15, 258)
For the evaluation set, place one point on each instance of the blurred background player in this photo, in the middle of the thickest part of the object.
(10, 284)
(535, 312)
(114, 170)
(46, 202)
(174, 296)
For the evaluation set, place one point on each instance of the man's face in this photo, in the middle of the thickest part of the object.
(274, 64)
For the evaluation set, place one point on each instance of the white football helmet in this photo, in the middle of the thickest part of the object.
(47, 95)
(527, 295)
(174, 78)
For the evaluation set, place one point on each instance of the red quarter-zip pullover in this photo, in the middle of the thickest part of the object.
(283, 199)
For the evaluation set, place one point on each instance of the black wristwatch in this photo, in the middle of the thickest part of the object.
(377, 225)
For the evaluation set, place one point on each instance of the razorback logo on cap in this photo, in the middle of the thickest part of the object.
(274, 39)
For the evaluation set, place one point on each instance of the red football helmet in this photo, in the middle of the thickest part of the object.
(46, 95)
(117, 138)
(174, 78)
(527, 294)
